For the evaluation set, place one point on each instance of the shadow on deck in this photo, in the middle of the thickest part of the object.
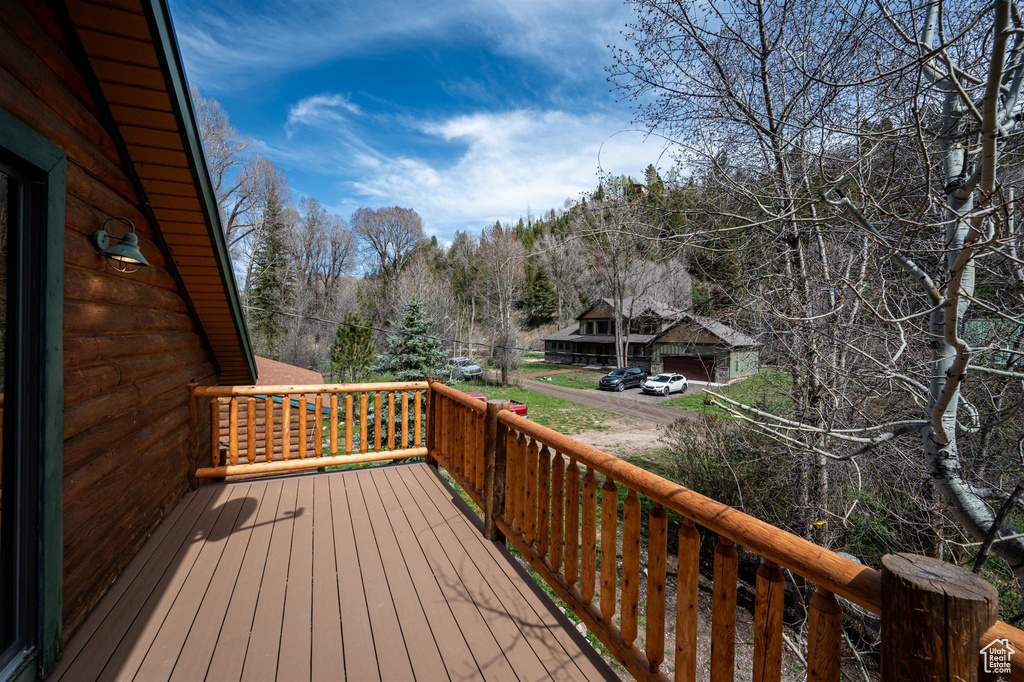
(374, 574)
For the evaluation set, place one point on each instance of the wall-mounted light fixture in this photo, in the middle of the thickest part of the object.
(125, 256)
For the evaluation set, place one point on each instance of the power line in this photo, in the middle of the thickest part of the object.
(322, 320)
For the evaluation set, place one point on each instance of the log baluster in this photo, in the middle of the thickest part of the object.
(687, 585)
(572, 522)
(588, 575)
(250, 430)
(215, 431)
(609, 547)
(462, 433)
(770, 591)
(349, 425)
(824, 627)
(524, 481)
(514, 481)
(557, 509)
(657, 553)
(481, 462)
(446, 426)
(334, 424)
(377, 422)
(417, 430)
(363, 426)
(233, 430)
(454, 437)
(723, 612)
(543, 500)
(302, 427)
(530, 514)
(286, 427)
(268, 428)
(629, 613)
(391, 420)
(405, 419)
(318, 425)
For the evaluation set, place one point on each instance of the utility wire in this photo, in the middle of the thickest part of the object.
(403, 333)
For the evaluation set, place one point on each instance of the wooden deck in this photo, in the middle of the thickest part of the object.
(359, 575)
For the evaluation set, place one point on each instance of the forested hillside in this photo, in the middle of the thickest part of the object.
(302, 270)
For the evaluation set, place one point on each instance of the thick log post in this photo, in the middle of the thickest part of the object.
(194, 438)
(432, 422)
(495, 459)
(933, 617)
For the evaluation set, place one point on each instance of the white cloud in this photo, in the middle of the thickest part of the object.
(232, 44)
(320, 109)
(512, 161)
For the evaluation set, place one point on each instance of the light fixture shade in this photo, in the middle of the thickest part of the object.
(125, 256)
(127, 251)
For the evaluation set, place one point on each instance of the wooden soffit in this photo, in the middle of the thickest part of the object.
(134, 55)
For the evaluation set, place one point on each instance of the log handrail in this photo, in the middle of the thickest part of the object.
(530, 447)
(860, 584)
(459, 397)
(459, 422)
(229, 391)
(282, 430)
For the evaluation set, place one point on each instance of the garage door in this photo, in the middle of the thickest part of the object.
(691, 367)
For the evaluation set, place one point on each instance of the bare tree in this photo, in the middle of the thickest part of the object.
(563, 260)
(236, 173)
(620, 246)
(502, 259)
(464, 273)
(857, 156)
(323, 250)
(388, 238)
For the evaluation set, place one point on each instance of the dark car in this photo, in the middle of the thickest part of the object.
(622, 378)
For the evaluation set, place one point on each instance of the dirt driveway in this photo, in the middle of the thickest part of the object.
(630, 403)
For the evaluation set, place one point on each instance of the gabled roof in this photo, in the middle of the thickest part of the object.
(134, 55)
(275, 373)
(640, 305)
(572, 333)
(726, 334)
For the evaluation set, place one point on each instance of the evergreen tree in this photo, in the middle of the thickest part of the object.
(270, 272)
(540, 303)
(352, 353)
(412, 354)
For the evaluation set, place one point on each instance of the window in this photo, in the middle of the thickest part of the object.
(32, 187)
(602, 327)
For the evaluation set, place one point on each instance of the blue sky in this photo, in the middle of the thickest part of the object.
(468, 112)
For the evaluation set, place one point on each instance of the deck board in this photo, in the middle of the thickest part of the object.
(370, 574)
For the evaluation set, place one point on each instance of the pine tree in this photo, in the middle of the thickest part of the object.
(270, 271)
(352, 353)
(412, 354)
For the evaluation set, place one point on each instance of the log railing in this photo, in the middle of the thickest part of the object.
(278, 429)
(458, 443)
(560, 508)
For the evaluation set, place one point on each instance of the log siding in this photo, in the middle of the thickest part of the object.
(131, 345)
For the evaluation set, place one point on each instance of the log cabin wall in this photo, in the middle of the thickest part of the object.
(130, 345)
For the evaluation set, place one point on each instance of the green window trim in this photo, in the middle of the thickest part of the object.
(32, 148)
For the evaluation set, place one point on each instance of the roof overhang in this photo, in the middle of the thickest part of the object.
(135, 58)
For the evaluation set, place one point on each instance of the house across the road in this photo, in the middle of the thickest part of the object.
(661, 338)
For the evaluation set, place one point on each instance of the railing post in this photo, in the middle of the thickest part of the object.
(432, 422)
(495, 458)
(194, 438)
(933, 617)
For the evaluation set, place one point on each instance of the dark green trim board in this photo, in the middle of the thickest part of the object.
(166, 46)
(20, 140)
